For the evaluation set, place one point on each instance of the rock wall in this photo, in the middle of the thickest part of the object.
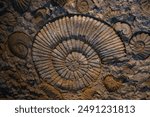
(74, 49)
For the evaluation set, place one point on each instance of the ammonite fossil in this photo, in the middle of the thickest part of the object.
(3, 7)
(124, 28)
(21, 5)
(68, 51)
(140, 45)
(82, 6)
(18, 43)
(111, 84)
(8, 19)
(145, 5)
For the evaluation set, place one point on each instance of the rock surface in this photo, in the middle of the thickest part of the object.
(128, 78)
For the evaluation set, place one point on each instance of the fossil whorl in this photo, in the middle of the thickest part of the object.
(21, 5)
(124, 28)
(140, 45)
(18, 43)
(68, 51)
(145, 5)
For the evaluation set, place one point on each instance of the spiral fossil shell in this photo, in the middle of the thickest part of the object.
(124, 28)
(82, 6)
(145, 5)
(111, 84)
(18, 43)
(21, 5)
(140, 45)
(8, 19)
(68, 52)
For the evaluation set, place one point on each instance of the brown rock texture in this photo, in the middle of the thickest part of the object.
(74, 49)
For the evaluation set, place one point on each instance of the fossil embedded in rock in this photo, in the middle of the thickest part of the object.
(124, 28)
(140, 45)
(21, 5)
(68, 51)
(145, 5)
(8, 19)
(19, 43)
(82, 6)
(111, 84)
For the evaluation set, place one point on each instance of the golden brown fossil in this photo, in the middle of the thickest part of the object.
(68, 51)
(140, 45)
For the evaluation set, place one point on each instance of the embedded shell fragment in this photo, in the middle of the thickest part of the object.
(111, 84)
(18, 43)
(124, 28)
(8, 19)
(68, 52)
(21, 5)
(140, 45)
(82, 6)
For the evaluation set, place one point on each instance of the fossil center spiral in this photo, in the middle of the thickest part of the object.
(75, 61)
(140, 45)
(72, 59)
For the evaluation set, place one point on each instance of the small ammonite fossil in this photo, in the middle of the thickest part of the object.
(111, 84)
(18, 43)
(68, 52)
(140, 45)
(145, 5)
(21, 6)
(82, 6)
(8, 19)
(124, 28)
